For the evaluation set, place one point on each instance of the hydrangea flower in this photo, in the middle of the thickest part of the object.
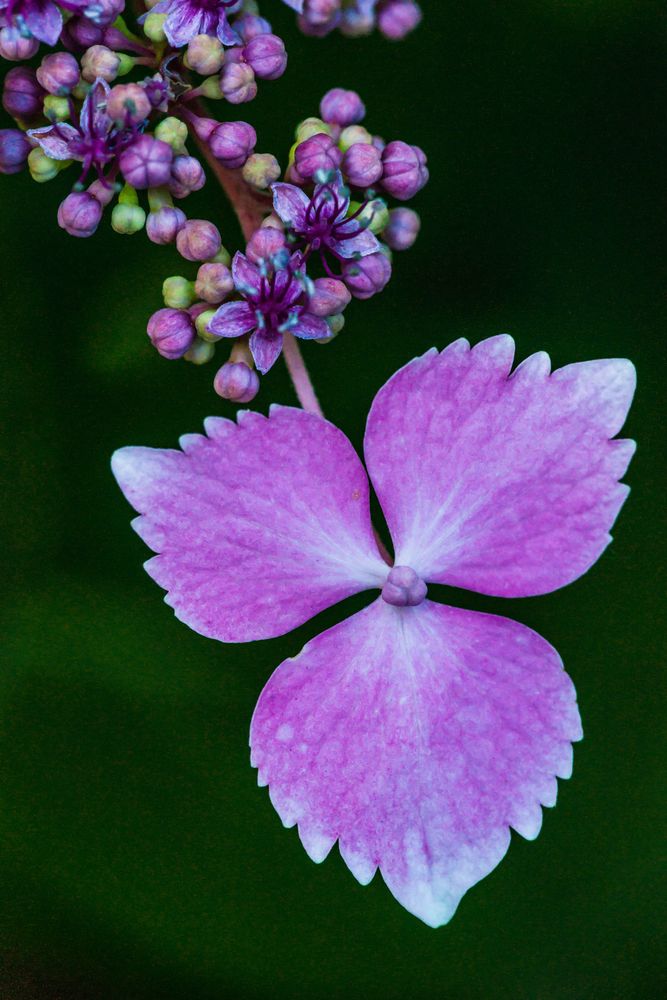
(321, 223)
(95, 140)
(275, 302)
(414, 733)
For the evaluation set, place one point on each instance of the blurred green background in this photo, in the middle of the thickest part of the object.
(138, 857)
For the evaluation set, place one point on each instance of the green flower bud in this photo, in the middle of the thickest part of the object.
(127, 219)
(172, 131)
(352, 134)
(375, 214)
(178, 292)
(154, 27)
(311, 126)
(335, 324)
(200, 352)
(202, 322)
(126, 64)
(223, 256)
(42, 168)
(211, 88)
(56, 109)
(260, 170)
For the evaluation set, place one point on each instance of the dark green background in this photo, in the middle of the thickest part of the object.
(138, 857)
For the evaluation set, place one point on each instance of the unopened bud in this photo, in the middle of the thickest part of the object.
(178, 292)
(200, 353)
(260, 170)
(127, 219)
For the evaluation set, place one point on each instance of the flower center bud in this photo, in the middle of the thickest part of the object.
(403, 588)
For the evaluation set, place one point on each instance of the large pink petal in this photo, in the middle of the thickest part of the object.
(258, 526)
(417, 737)
(504, 484)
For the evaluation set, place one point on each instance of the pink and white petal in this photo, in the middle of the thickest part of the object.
(259, 525)
(417, 737)
(291, 204)
(503, 484)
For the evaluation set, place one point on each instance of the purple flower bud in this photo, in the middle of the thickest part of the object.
(403, 229)
(397, 18)
(163, 226)
(266, 54)
(147, 162)
(106, 11)
(237, 82)
(14, 149)
(362, 165)
(198, 240)
(342, 107)
(80, 33)
(22, 96)
(368, 275)
(58, 73)
(205, 55)
(330, 296)
(214, 283)
(265, 243)
(99, 62)
(319, 153)
(16, 46)
(171, 332)
(237, 382)
(188, 172)
(79, 214)
(128, 103)
(232, 142)
(250, 25)
(405, 172)
(319, 16)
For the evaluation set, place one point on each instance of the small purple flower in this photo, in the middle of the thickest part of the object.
(397, 18)
(95, 141)
(188, 18)
(237, 82)
(274, 303)
(146, 162)
(321, 223)
(413, 733)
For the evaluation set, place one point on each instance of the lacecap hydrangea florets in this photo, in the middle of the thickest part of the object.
(316, 239)
(121, 108)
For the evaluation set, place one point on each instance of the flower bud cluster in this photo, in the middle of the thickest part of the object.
(324, 235)
(354, 18)
(119, 105)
